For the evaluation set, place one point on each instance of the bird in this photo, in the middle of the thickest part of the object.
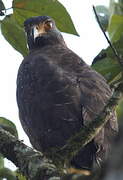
(58, 94)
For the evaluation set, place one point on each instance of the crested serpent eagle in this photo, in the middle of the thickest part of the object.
(58, 94)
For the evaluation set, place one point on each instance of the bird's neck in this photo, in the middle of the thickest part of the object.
(43, 41)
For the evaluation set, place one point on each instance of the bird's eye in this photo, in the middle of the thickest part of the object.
(48, 25)
(37, 27)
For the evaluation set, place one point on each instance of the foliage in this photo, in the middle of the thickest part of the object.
(108, 65)
(12, 25)
(111, 20)
(105, 63)
(2, 7)
(10, 127)
(103, 14)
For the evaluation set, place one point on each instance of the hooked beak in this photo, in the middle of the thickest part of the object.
(38, 31)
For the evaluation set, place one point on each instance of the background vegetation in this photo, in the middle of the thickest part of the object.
(106, 62)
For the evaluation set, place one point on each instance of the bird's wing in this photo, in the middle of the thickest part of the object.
(94, 96)
(94, 91)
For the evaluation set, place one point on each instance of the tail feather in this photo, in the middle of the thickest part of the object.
(85, 158)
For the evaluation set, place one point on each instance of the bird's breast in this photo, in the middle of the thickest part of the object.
(48, 99)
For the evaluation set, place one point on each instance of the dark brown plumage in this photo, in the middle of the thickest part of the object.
(58, 93)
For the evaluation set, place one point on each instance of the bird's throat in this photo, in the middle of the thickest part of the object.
(44, 40)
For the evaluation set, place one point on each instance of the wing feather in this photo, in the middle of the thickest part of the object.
(95, 94)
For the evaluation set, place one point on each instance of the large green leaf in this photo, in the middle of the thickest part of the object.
(24, 9)
(12, 25)
(7, 174)
(8, 126)
(20, 176)
(2, 7)
(116, 7)
(14, 34)
(115, 28)
(1, 161)
(110, 69)
(103, 14)
(120, 1)
(107, 64)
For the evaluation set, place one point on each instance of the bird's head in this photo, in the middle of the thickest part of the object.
(41, 31)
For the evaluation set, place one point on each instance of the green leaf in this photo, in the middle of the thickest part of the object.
(120, 1)
(20, 176)
(116, 21)
(14, 34)
(109, 68)
(108, 65)
(7, 174)
(24, 9)
(1, 161)
(102, 10)
(116, 7)
(2, 7)
(8, 126)
(12, 25)
(111, 6)
(103, 14)
(115, 28)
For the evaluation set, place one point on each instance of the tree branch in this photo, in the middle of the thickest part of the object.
(87, 133)
(30, 163)
(34, 165)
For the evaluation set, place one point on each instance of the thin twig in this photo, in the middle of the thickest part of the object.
(109, 42)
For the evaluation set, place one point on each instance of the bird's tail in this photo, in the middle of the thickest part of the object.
(85, 158)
